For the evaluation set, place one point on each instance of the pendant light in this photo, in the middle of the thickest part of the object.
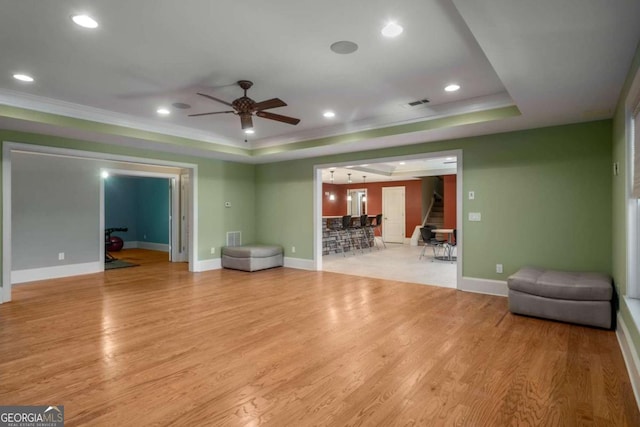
(332, 196)
(364, 182)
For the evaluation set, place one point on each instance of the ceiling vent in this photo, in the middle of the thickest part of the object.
(419, 102)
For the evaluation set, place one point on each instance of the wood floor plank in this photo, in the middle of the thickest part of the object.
(157, 345)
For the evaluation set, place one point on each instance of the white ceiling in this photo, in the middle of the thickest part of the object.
(557, 61)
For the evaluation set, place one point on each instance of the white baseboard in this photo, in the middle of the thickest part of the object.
(30, 275)
(133, 244)
(208, 264)
(630, 356)
(300, 263)
(162, 247)
(484, 286)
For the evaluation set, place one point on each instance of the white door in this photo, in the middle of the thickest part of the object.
(393, 223)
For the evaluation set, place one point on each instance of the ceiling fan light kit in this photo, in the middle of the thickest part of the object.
(246, 107)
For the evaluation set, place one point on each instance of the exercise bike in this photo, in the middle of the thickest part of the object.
(112, 243)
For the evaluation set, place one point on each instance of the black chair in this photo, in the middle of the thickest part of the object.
(452, 245)
(429, 239)
(376, 224)
(362, 227)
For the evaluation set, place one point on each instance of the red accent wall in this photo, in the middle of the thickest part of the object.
(333, 207)
(413, 200)
(450, 201)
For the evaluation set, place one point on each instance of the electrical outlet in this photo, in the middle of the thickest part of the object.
(60, 256)
(213, 251)
(498, 268)
(293, 249)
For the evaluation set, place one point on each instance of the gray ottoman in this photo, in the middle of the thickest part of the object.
(252, 257)
(583, 298)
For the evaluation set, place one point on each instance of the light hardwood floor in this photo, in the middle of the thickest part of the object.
(158, 345)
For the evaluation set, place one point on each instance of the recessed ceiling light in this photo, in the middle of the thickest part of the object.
(23, 78)
(329, 114)
(452, 87)
(163, 111)
(249, 131)
(392, 29)
(364, 166)
(85, 21)
(403, 163)
(344, 47)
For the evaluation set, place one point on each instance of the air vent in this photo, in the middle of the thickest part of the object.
(234, 238)
(419, 102)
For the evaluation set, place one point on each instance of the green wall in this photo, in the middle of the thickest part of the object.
(218, 181)
(544, 195)
(619, 202)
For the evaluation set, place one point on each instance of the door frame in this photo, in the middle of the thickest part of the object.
(404, 212)
(174, 208)
(8, 147)
(317, 201)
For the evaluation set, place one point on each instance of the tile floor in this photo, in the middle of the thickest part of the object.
(396, 262)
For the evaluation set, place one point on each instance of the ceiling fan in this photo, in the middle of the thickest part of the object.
(245, 107)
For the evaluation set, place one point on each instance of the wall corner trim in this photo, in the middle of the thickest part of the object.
(630, 356)
(206, 265)
(483, 286)
(299, 263)
(33, 274)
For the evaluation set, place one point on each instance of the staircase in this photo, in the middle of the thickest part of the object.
(436, 216)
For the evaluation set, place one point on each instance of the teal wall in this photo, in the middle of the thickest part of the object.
(120, 209)
(152, 214)
(544, 195)
(218, 181)
(140, 204)
(619, 203)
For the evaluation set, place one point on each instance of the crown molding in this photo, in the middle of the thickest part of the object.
(83, 112)
(422, 113)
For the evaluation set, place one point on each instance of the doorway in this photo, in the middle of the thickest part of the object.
(393, 210)
(137, 212)
(403, 261)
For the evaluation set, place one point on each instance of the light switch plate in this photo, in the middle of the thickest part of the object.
(475, 216)
(472, 195)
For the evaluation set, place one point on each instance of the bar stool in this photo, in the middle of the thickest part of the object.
(336, 227)
(362, 226)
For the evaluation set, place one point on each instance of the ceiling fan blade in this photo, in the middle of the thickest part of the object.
(215, 99)
(206, 114)
(269, 103)
(247, 122)
(278, 117)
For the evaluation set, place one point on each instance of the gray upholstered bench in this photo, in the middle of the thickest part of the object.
(583, 298)
(252, 257)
